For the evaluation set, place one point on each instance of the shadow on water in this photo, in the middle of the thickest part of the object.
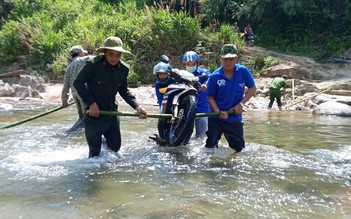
(294, 165)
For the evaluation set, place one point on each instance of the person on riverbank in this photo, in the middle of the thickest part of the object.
(226, 91)
(236, 28)
(276, 91)
(98, 84)
(191, 62)
(79, 58)
(248, 32)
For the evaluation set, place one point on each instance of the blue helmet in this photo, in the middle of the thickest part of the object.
(190, 56)
(161, 67)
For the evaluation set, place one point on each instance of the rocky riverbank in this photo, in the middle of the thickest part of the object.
(308, 95)
(309, 85)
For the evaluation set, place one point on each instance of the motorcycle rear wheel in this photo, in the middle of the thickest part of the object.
(180, 132)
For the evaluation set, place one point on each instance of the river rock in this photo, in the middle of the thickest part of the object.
(276, 71)
(333, 98)
(282, 69)
(22, 86)
(5, 90)
(304, 88)
(333, 108)
(21, 91)
(339, 92)
(292, 72)
(35, 83)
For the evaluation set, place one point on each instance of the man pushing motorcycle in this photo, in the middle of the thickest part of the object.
(191, 62)
(178, 98)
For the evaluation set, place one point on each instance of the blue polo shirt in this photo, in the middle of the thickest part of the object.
(228, 93)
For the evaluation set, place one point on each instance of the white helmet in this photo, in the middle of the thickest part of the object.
(161, 67)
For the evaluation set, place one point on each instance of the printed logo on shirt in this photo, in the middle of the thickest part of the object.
(242, 85)
(221, 82)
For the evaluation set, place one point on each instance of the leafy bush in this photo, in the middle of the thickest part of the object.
(160, 33)
(226, 34)
(55, 26)
(262, 62)
(175, 32)
(10, 41)
(270, 61)
(133, 79)
(40, 32)
(57, 68)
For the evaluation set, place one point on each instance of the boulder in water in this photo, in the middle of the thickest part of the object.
(333, 108)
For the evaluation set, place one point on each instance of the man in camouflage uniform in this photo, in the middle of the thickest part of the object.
(78, 60)
(98, 84)
(276, 91)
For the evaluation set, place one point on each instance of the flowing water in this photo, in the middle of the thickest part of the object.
(295, 165)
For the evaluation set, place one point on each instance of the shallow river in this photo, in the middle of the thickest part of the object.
(295, 165)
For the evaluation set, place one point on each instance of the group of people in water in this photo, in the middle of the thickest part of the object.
(96, 80)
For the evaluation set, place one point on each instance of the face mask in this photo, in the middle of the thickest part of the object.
(191, 69)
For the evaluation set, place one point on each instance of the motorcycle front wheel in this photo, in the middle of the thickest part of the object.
(181, 130)
(163, 127)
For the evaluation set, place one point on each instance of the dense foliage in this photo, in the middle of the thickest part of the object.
(39, 33)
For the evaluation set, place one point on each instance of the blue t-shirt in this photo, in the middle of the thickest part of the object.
(202, 103)
(228, 93)
(159, 85)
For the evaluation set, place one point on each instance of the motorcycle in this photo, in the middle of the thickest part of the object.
(179, 100)
(249, 41)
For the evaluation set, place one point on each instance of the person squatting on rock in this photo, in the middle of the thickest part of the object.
(191, 62)
(275, 91)
(79, 58)
(97, 84)
(226, 91)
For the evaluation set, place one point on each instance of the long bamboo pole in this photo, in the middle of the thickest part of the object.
(110, 113)
(113, 113)
(34, 117)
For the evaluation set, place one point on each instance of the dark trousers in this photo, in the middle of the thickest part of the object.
(106, 126)
(233, 133)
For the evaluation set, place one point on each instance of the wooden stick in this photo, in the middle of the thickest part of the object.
(34, 117)
(12, 73)
(307, 98)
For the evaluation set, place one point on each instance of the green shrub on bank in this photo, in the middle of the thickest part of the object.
(44, 34)
(11, 41)
(167, 33)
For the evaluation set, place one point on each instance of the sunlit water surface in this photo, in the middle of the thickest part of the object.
(295, 165)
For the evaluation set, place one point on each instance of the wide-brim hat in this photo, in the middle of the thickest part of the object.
(113, 43)
(229, 51)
